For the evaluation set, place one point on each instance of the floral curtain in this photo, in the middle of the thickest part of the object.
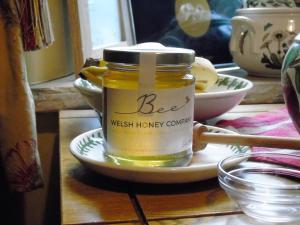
(24, 25)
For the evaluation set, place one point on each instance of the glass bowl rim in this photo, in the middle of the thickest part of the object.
(254, 184)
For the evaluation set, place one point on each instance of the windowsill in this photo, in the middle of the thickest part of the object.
(60, 94)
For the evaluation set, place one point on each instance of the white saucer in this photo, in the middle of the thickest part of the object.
(88, 149)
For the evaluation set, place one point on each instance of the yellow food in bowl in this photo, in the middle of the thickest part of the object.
(205, 74)
(93, 73)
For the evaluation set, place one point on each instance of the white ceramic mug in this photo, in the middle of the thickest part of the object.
(261, 37)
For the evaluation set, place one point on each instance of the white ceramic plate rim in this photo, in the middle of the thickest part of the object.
(146, 170)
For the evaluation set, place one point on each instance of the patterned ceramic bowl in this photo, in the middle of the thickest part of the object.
(270, 3)
(226, 93)
(91, 93)
(261, 38)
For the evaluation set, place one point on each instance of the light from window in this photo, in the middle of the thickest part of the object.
(105, 23)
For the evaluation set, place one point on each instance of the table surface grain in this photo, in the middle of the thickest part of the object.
(90, 198)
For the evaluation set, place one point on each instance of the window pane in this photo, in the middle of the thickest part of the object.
(104, 22)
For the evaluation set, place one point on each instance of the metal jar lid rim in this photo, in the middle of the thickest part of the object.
(164, 55)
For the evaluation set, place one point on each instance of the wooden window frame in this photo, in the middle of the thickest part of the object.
(81, 35)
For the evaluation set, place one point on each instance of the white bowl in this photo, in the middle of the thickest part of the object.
(91, 93)
(223, 96)
(227, 92)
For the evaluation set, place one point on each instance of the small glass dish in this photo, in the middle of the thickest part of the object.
(266, 185)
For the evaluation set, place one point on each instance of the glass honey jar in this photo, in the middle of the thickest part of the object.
(148, 105)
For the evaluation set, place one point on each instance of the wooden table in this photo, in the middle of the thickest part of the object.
(90, 198)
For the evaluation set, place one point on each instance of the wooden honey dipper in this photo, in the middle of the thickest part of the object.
(201, 137)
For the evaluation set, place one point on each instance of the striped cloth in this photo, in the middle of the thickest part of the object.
(273, 123)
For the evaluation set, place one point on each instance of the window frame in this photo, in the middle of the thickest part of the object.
(81, 34)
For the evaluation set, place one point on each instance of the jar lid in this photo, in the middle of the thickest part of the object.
(164, 55)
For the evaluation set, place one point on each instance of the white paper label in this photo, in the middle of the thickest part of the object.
(148, 123)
